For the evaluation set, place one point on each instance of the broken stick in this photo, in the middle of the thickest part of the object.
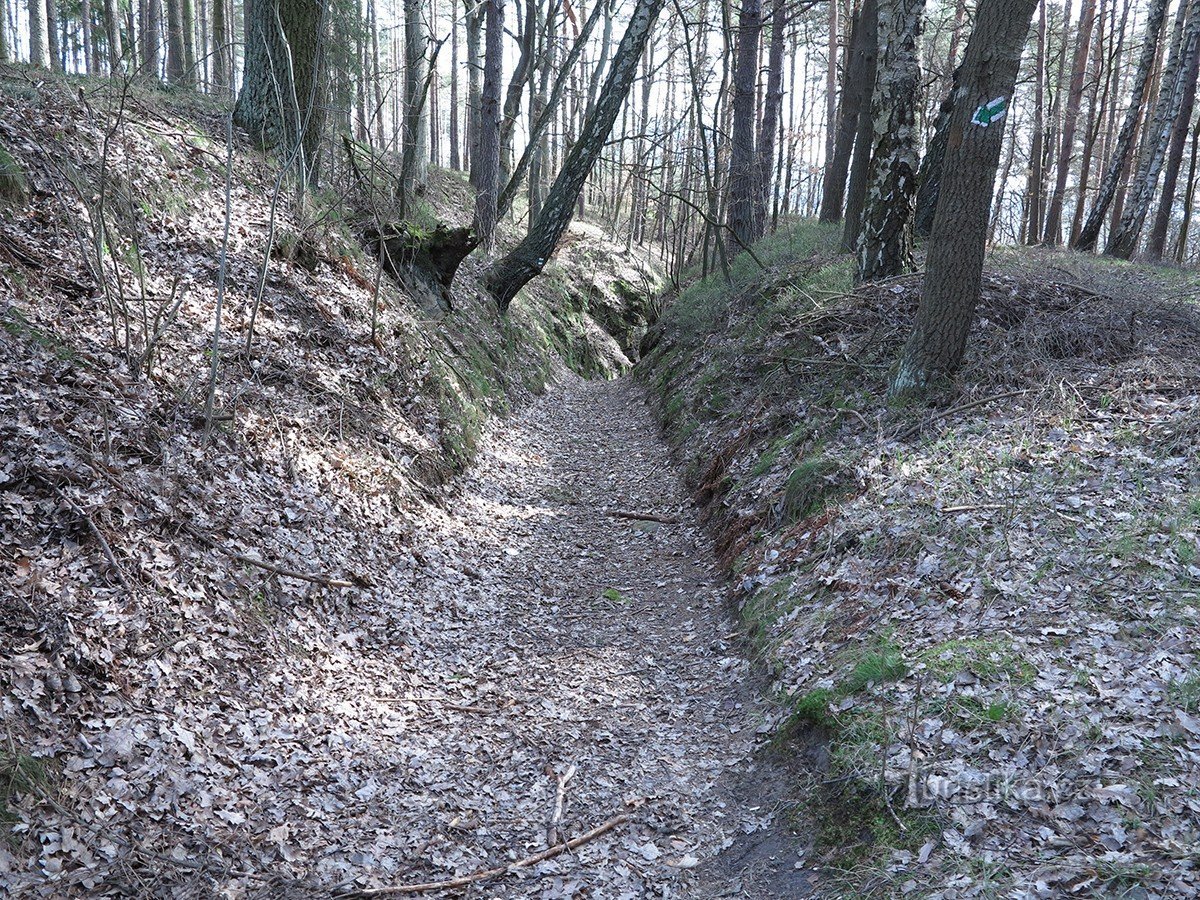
(643, 517)
(484, 875)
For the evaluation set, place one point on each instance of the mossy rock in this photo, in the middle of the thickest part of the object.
(14, 186)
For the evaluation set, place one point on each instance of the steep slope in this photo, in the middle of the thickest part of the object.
(167, 595)
(982, 612)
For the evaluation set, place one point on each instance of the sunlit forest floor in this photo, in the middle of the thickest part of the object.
(982, 611)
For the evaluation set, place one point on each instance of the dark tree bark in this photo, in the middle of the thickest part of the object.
(1179, 131)
(222, 74)
(524, 263)
(929, 177)
(1124, 146)
(489, 129)
(175, 64)
(112, 35)
(860, 164)
(772, 103)
(1124, 239)
(52, 36)
(855, 87)
(743, 170)
(885, 242)
(5, 53)
(416, 109)
(474, 27)
(293, 126)
(954, 265)
(1052, 234)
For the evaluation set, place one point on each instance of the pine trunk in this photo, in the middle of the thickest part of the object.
(489, 129)
(1124, 239)
(743, 170)
(1125, 138)
(1083, 41)
(860, 164)
(1179, 132)
(855, 86)
(1037, 154)
(772, 103)
(39, 42)
(416, 108)
(954, 265)
(285, 64)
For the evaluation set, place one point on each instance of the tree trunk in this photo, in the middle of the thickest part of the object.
(1124, 145)
(772, 103)
(831, 53)
(516, 269)
(542, 122)
(489, 129)
(52, 36)
(854, 88)
(416, 110)
(743, 170)
(516, 85)
(188, 22)
(1037, 154)
(39, 42)
(1189, 197)
(1083, 42)
(929, 178)
(860, 164)
(455, 155)
(474, 27)
(1097, 111)
(175, 67)
(885, 242)
(112, 35)
(1179, 132)
(954, 265)
(222, 76)
(1124, 240)
(152, 38)
(5, 53)
(293, 126)
(90, 63)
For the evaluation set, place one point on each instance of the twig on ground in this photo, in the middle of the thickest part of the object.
(464, 880)
(553, 833)
(642, 517)
(954, 410)
(313, 577)
(97, 534)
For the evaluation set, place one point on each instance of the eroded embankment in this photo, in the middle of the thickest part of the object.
(984, 605)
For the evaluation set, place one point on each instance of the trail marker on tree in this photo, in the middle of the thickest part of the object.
(990, 112)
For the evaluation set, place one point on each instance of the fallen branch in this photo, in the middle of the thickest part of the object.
(643, 517)
(553, 832)
(313, 577)
(954, 410)
(96, 533)
(464, 880)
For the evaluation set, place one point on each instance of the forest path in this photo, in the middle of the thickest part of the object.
(590, 643)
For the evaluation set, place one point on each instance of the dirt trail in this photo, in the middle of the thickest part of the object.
(585, 641)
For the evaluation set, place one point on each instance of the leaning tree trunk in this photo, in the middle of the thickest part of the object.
(860, 164)
(281, 102)
(954, 265)
(516, 269)
(1124, 146)
(742, 168)
(1052, 234)
(854, 89)
(488, 170)
(1123, 241)
(1179, 131)
(885, 241)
